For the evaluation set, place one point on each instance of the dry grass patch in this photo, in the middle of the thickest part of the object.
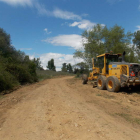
(129, 118)
(106, 96)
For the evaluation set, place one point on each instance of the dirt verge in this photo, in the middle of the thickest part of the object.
(63, 108)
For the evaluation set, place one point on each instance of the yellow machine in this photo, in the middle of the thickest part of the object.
(108, 73)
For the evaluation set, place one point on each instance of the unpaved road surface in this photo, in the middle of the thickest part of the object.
(64, 109)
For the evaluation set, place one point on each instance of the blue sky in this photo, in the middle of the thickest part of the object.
(52, 28)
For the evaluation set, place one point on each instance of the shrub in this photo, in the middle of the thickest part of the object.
(7, 80)
(15, 67)
(22, 73)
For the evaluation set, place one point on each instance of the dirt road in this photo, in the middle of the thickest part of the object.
(64, 109)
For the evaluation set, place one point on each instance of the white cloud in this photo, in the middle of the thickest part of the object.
(19, 2)
(58, 13)
(84, 15)
(31, 57)
(27, 49)
(46, 30)
(42, 10)
(138, 27)
(84, 24)
(59, 59)
(75, 24)
(73, 40)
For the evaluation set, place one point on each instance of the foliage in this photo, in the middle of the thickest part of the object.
(81, 68)
(51, 65)
(136, 42)
(64, 67)
(38, 63)
(15, 67)
(48, 74)
(7, 80)
(69, 68)
(101, 40)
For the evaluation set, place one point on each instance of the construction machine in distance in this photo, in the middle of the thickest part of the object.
(111, 72)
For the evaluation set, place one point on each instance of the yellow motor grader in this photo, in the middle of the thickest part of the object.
(111, 72)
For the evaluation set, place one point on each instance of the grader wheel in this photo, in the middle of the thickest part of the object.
(113, 84)
(101, 82)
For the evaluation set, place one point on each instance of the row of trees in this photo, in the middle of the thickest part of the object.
(79, 68)
(65, 67)
(101, 40)
(15, 66)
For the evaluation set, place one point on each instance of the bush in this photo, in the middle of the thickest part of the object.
(15, 67)
(7, 80)
(22, 73)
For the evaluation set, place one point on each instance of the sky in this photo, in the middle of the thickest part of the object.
(49, 29)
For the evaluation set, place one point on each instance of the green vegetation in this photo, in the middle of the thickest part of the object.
(15, 67)
(136, 42)
(106, 96)
(51, 65)
(48, 74)
(67, 68)
(81, 68)
(102, 39)
(129, 118)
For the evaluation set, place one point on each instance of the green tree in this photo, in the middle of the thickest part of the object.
(116, 40)
(81, 68)
(37, 63)
(51, 65)
(136, 42)
(93, 44)
(15, 67)
(69, 68)
(64, 67)
(101, 40)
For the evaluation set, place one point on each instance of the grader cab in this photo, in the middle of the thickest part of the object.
(111, 72)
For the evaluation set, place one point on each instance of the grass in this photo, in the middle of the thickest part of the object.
(136, 120)
(1, 96)
(106, 96)
(99, 94)
(48, 74)
(129, 118)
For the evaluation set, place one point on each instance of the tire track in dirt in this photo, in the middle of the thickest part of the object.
(59, 110)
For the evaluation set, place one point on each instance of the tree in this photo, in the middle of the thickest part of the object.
(103, 40)
(81, 68)
(15, 67)
(93, 44)
(116, 40)
(51, 65)
(69, 68)
(64, 67)
(38, 63)
(136, 39)
(136, 42)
